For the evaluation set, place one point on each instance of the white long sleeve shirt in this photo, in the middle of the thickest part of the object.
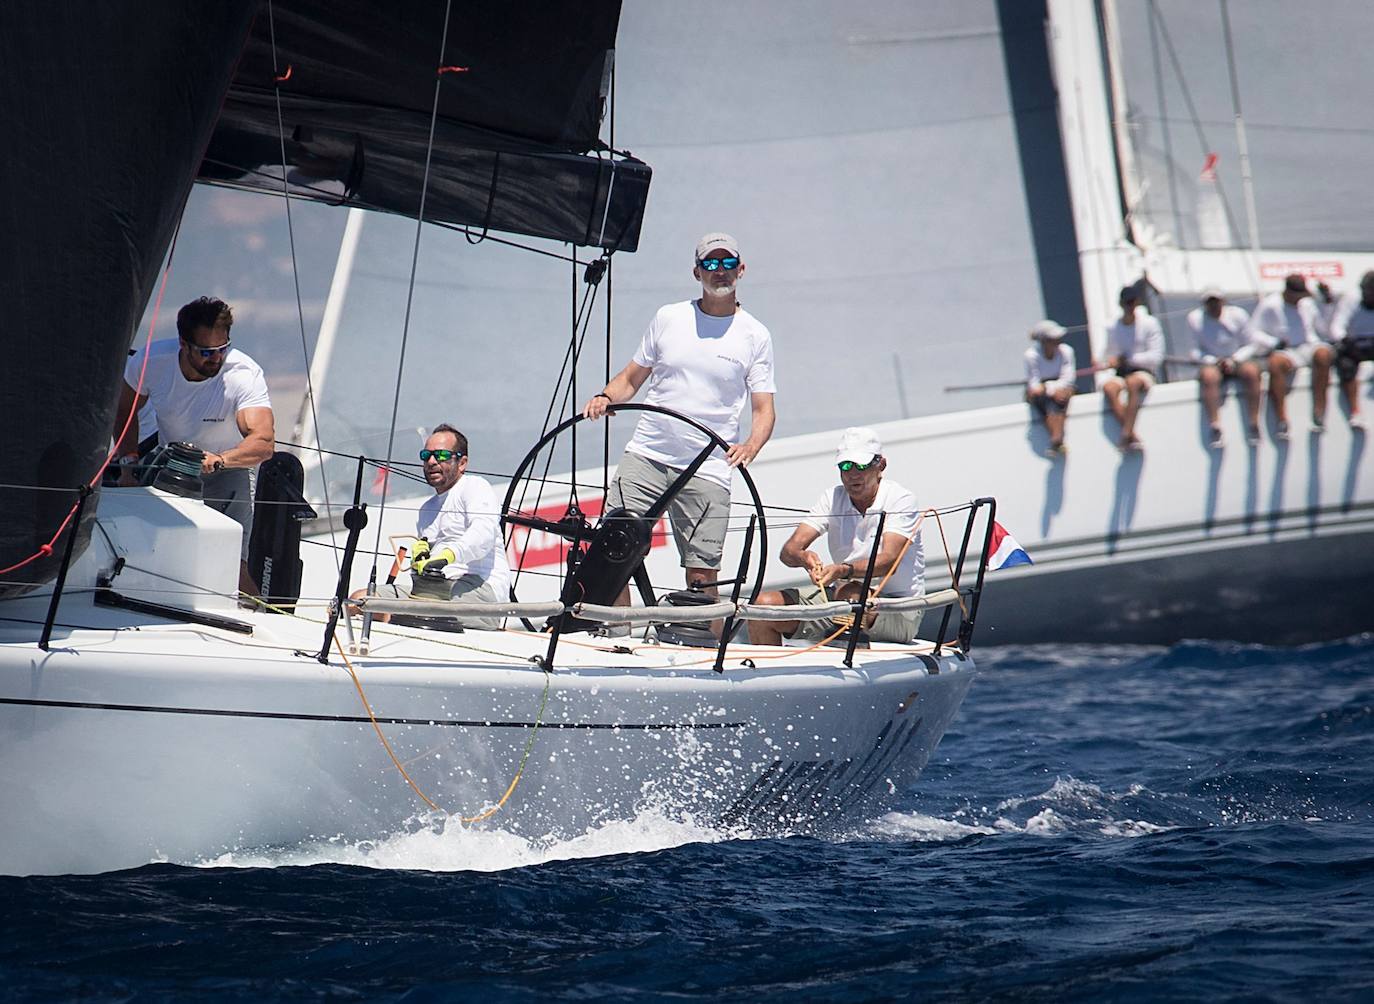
(1140, 344)
(1277, 324)
(1061, 367)
(1223, 337)
(466, 520)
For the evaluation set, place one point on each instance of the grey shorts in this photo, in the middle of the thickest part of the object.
(700, 514)
(231, 492)
(892, 625)
(470, 588)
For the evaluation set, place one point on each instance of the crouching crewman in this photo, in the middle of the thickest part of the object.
(848, 515)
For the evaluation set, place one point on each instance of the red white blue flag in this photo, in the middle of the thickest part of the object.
(1005, 550)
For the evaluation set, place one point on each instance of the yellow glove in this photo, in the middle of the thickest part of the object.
(432, 561)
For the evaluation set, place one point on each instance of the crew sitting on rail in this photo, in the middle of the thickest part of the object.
(210, 395)
(1224, 352)
(848, 515)
(1352, 329)
(459, 553)
(1050, 373)
(1285, 324)
(1135, 348)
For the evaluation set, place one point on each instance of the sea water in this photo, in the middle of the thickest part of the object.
(1099, 823)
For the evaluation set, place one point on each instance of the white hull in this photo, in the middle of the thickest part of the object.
(136, 739)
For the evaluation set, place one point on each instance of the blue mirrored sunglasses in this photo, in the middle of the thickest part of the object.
(443, 456)
(211, 352)
(850, 465)
(711, 264)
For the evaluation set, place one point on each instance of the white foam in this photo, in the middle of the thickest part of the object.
(436, 844)
(915, 826)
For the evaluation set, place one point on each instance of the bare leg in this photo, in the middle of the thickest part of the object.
(1111, 390)
(770, 632)
(1321, 380)
(1135, 397)
(1351, 390)
(246, 583)
(1250, 381)
(1054, 424)
(1279, 370)
(1209, 379)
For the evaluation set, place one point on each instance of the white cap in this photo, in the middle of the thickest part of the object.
(1046, 329)
(1212, 293)
(717, 242)
(859, 445)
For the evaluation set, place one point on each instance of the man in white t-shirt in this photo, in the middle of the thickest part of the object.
(704, 358)
(848, 515)
(209, 395)
(1224, 351)
(1352, 330)
(1285, 324)
(459, 553)
(1051, 369)
(1135, 348)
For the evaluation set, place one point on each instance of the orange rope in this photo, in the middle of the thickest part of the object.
(376, 726)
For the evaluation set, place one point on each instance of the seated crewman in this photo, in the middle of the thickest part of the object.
(459, 553)
(1285, 324)
(848, 515)
(1135, 349)
(1224, 352)
(1050, 372)
(1352, 329)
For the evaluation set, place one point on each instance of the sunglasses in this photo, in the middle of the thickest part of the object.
(851, 465)
(443, 456)
(209, 353)
(711, 264)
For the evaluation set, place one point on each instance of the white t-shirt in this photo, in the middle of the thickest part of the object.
(705, 367)
(1140, 344)
(203, 412)
(466, 519)
(1279, 324)
(850, 535)
(1058, 368)
(1220, 337)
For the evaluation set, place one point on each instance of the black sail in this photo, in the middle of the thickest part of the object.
(105, 110)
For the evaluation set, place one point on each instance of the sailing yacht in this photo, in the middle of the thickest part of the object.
(150, 712)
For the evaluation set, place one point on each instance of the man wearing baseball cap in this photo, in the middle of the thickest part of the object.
(848, 515)
(1050, 372)
(706, 358)
(1224, 352)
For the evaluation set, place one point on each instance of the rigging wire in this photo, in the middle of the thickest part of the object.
(414, 264)
(277, 80)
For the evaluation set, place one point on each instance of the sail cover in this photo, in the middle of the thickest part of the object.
(522, 91)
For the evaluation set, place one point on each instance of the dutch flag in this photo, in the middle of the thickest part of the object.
(1005, 550)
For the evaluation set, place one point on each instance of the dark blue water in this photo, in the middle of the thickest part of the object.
(1124, 824)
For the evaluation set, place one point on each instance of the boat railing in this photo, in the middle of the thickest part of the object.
(961, 596)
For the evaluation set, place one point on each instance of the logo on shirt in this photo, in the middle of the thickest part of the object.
(207, 419)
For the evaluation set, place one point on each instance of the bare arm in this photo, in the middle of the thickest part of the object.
(623, 386)
(129, 403)
(760, 428)
(796, 552)
(259, 432)
(892, 548)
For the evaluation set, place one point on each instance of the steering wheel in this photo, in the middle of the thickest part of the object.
(617, 543)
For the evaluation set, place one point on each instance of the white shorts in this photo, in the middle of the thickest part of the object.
(1299, 355)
